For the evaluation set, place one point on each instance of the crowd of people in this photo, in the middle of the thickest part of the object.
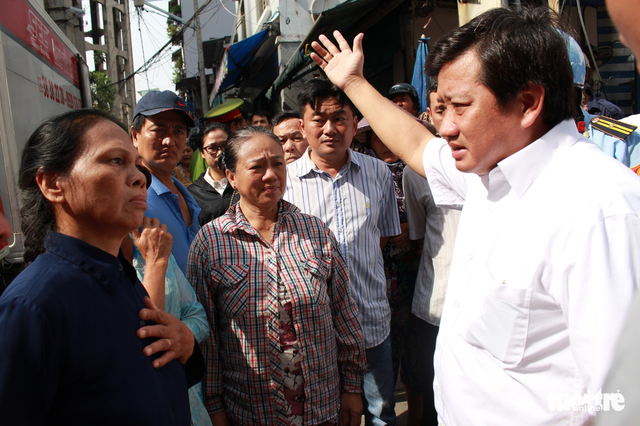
(293, 270)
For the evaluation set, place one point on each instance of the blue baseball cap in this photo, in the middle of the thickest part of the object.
(156, 102)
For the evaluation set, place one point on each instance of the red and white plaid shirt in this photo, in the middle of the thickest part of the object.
(235, 274)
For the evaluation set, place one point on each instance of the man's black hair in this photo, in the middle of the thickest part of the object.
(262, 114)
(138, 122)
(431, 88)
(284, 115)
(315, 91)
(515, 48)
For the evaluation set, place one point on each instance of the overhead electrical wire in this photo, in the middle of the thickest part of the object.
(172, 40)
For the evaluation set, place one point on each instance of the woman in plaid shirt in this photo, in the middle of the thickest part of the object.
(286, 346)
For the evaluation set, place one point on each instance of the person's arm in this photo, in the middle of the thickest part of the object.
(192, 313)
(403, 239)
(174, 337)
(154, 243)
(344, 68)
(414, 201)
(383, 242)
(350, 409)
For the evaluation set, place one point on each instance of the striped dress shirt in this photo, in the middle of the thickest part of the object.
(359, 205)
(235, 274)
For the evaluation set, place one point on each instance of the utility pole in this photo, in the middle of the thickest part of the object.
(203, 77)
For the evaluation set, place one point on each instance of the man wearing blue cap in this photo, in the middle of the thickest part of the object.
(159, 132)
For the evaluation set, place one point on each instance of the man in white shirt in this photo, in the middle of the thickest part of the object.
(545, 260)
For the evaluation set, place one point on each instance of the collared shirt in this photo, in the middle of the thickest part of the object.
(70, 354)
(544, 267)
(218, 186)
(438, 228)
(165, 205)
(235, 274)
(359, 205)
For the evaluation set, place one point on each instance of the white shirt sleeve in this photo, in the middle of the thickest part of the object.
(448, 185)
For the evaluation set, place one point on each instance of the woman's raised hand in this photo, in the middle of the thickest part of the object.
(154, 242)
(342, 65)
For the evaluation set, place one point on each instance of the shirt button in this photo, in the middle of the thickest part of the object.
(438, 347)
(457, 304)
(438, 388)
(470, 256)
(120, 267)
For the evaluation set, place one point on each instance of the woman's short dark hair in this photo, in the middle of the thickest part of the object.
(53, 147)
(515, 48)
(210, 127)
(229, 160)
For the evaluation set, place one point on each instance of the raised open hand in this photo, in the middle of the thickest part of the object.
(342, 65)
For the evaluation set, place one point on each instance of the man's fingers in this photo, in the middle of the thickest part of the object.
(328, 44)
(355, 419)
(164, 359)
(148, 303)
(357, 43)
(318, 60)
(146, 221)
(318, 48)
(344, 45)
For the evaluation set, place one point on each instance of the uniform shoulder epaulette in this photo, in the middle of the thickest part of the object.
(612, 127)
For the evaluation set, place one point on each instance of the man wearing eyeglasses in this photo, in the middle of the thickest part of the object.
(211, 190)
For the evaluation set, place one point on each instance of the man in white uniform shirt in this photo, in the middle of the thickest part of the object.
(546, 256)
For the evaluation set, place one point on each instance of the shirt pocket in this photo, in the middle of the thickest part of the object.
(318, 271)
(502, 327)
(234, 292)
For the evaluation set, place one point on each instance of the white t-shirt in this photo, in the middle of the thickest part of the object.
(546, 261)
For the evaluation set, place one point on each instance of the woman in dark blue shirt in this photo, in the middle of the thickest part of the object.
(72, 348)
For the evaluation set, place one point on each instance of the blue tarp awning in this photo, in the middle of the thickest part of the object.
(241, 58)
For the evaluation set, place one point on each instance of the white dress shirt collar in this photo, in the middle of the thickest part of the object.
(218, 186)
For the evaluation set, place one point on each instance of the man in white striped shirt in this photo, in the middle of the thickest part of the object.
(354, 195)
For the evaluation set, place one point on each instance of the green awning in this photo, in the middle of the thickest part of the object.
(350, 18)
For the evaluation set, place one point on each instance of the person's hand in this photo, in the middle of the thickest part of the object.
(401, 240)
(174, 338)
(350, 409)
(219, 419)
(342, 65)
(154, 242)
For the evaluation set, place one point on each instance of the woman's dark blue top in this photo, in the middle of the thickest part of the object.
(69, 354)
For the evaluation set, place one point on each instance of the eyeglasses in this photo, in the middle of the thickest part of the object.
(214, 149)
